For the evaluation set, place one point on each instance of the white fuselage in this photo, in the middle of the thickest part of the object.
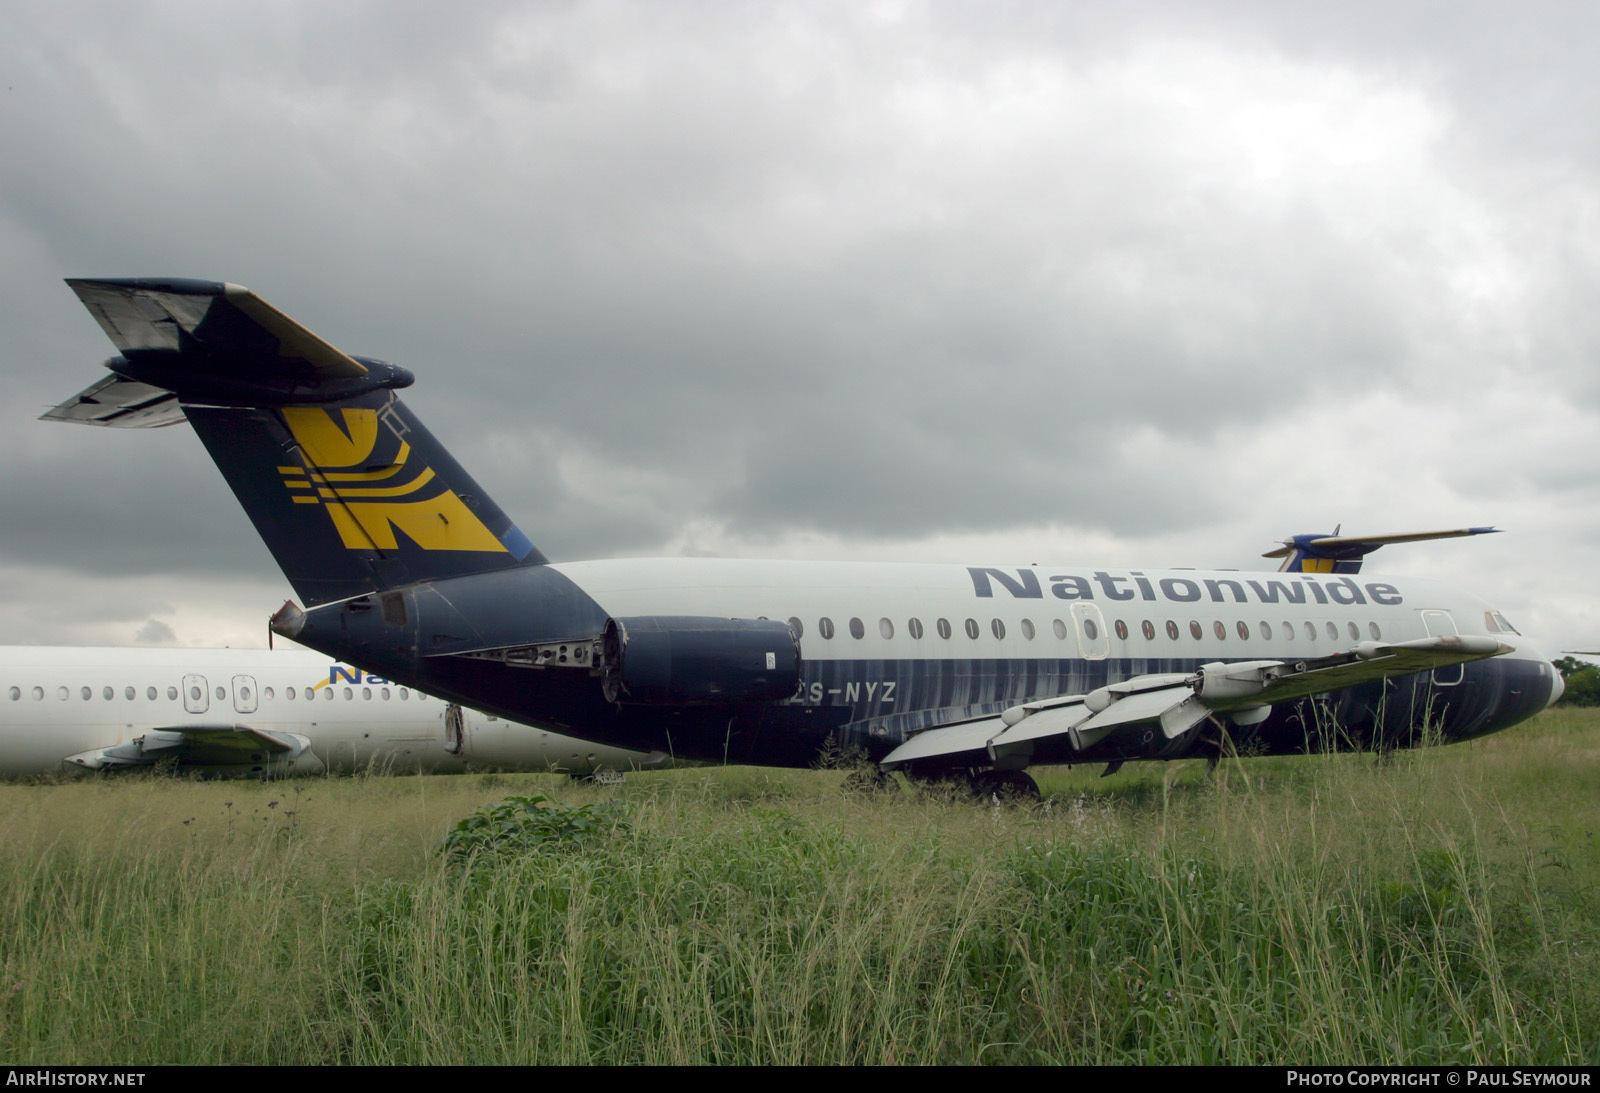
(60, 706)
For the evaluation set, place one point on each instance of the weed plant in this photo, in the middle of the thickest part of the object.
(1440, 907)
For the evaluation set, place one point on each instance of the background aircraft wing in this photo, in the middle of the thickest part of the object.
(198, 746)
(1054, 730)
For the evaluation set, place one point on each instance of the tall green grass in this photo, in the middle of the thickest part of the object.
(1439, 907)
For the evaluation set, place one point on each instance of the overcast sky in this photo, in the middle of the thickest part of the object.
(1136, 284)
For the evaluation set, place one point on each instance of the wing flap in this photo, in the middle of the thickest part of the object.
(1176, 704)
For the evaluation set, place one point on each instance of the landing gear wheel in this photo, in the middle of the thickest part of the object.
(1005, 785)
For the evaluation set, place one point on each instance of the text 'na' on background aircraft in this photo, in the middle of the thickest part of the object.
(254, 713)
(406, 568)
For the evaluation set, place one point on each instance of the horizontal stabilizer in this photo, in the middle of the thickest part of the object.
(1170, 706)
(124, 404)
(1343, 553)
(220, 344)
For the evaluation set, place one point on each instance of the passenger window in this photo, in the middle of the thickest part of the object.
(825, 628)
(943, 627)
(1266, 631)
(1194, 630)
(87, 693)
(1220, 628)
(1172, 630)
(221, 693)
(1311, 631)
(885, 629)
(998, 629)
(1372, 628)
(1244, 630)
(38, 694)
(16, 694)
(972, 629)
(366, 694)
(61, 694)
(1090, 630)
(385, 693)
(914, 628)
(348, 694)
(857, 630)
(1355, 632)
(1333, 632)
(172, 694)
(150, 694)
(108, 693)
(1027, 629)
(267, 693)
(1288, 631)
(288, 692)
(129, 693)
(404, 694)
(1060, 629)
(328, 694)
(1149, 630)
(799, 631)
(1122, 630)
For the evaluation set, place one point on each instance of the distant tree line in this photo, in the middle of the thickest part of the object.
(1583, 682)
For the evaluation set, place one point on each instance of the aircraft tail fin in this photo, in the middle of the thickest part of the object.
(348, 488)
(1343, 553)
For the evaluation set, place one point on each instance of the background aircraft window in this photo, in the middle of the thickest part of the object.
(404, 694)
(1372, 628)
(61, 693)
(825, 628)
(328, 694)
(366, 694)
(1060, 629)
(1149, 630)
(38, 694)
(1220, 628)
(1355, 632)
(972, 629)
(221, 693)
(857, 628)
(1090, 630)
(108, 693)
(150, 694)
(998, 628)
(914, 628)
(310, 694)
(1311, 631)
(885, 628)
(943, 626)
(1027, 629)
(16, 694)
(1172, 630)
(87, 692)
(1333, 632)
(1244, 630)
(799, 631)
(128, 693)
(1266, 631)
(385, 693)
(348, 694)
(194, 693)
(1194, 629)
(1288, 631)
(288, 692)
(172, 694)
(268, 693)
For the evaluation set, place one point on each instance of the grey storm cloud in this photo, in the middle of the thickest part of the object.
(1174, 279)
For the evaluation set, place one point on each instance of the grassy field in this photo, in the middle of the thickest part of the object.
(1443, 907)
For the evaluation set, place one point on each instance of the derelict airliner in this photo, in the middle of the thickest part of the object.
(253, 713)
(406, 568)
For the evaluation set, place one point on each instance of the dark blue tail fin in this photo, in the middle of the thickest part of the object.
(350, 491)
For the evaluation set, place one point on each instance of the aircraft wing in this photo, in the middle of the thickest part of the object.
(1174, 704)
(199, 746)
